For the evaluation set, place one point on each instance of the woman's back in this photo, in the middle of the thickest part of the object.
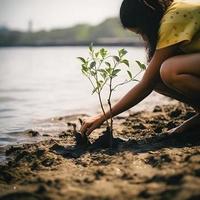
(181, 23)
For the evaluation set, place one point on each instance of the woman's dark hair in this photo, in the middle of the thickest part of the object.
(145, 16)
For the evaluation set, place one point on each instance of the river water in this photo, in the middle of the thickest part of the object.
(39, 83)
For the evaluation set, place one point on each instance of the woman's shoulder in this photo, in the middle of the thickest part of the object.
(184, 4)
(182, 10)
(180, 22)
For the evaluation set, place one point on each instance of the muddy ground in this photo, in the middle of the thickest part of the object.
(147, 164)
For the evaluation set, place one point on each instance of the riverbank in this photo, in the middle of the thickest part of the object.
(147, 164)
(109, 43)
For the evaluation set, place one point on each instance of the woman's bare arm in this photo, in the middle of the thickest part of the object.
(137, 93)
(146, 85)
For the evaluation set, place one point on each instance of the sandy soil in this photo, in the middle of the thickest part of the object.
(146, 164)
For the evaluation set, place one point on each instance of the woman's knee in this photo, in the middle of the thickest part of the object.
(168, 72)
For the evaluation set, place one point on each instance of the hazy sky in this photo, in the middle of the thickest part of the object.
(47, 14)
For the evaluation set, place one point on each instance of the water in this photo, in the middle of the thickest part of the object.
(39, 83)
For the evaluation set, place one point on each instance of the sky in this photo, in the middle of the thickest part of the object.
(48, 14)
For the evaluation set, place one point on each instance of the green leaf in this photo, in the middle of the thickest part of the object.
(108, 64)
(91, 47)
(130, 75)
(82, 59)
(122, 52)
(100, 82)
(93, 73)
(104, 75)
(94, 90)
(103, 52)
(115, 72)
(92, 64)
(96, 54)
(116, 58)
(101, 70)
(142, 66)
(126, 62)
(109, 70)
(84, 68)
(84, 72)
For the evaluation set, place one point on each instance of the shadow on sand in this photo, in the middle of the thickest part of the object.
(119, 144)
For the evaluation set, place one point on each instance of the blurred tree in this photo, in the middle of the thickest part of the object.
(110, 28)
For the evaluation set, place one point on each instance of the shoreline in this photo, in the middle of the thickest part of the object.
(51, 126)
(80, 44)
(146, 164)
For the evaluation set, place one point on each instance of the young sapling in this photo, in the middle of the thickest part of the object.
(101, 69)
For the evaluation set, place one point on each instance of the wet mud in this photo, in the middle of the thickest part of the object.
(144, 162)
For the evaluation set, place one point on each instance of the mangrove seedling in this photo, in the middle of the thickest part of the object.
(101, 69)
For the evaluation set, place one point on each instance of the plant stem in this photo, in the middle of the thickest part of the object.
(110, 106)
(102, 108)
(125, 82)
(111, 115)
(99, 96)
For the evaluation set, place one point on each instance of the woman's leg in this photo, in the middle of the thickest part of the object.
(182, 74)
(194, 121)
(161, 88)
(180, 79)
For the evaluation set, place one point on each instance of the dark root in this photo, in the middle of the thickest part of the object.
(145, 16)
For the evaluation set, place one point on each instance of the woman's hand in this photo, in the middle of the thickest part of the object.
(91, 123)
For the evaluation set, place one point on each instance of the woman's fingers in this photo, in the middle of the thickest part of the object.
(91, 124)
(93, 127)
(89, 130)
(84, 127)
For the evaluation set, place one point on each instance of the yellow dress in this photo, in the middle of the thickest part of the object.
(181, 24)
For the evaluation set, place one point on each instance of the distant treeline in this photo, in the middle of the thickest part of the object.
(109, 32)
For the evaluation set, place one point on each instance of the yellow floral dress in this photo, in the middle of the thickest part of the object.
(181, 24)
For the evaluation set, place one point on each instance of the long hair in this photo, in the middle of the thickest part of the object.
(145, 16)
